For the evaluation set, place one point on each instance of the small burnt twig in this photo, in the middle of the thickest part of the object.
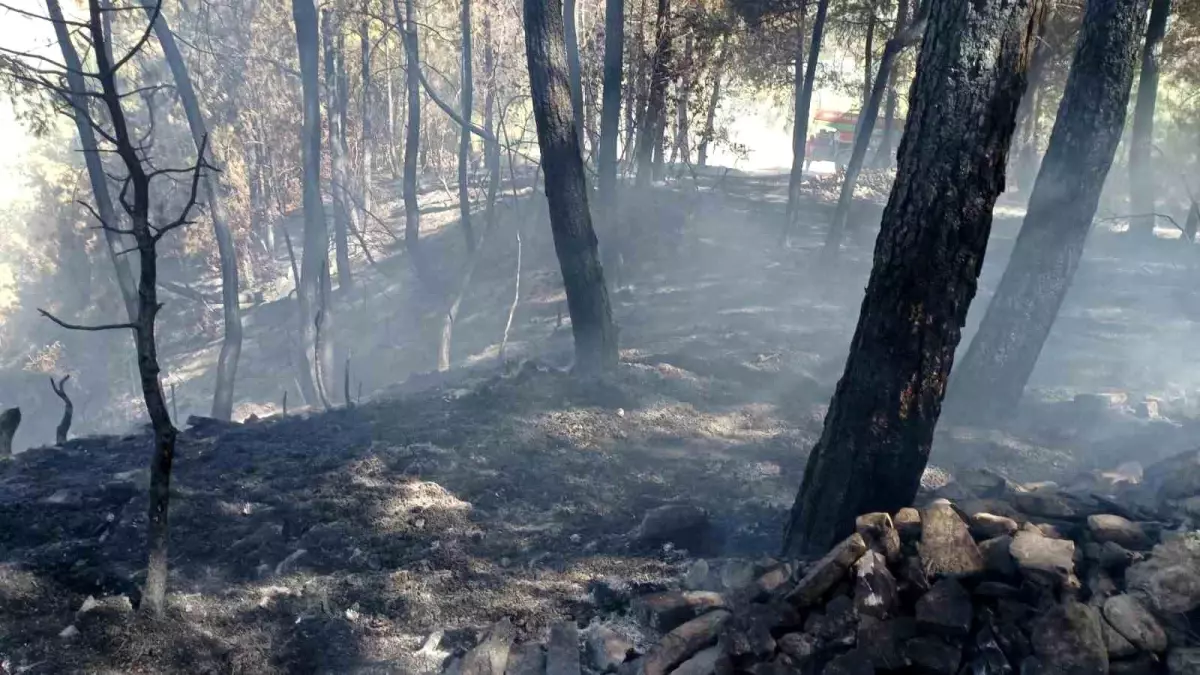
(60, 433)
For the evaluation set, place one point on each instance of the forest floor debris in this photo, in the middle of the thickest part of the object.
(341, 542)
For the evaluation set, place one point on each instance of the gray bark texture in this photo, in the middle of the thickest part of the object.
(1091, 117)
(1141, 169)
(316, 233)
(570, 221)
(879, 428)
(804, 91)
(231, 345)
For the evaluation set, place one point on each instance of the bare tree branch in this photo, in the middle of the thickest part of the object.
(72, 326)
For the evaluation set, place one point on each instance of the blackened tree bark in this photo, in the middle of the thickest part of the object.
(970, 77)
(610, 113)
(804, 91)
(412, 138)
(651, 130)
(231, 345)
(574, 71)
(343, 209)
(714, 100)
(464, 139)
(64, 425)
(91, 158)
(682, 150)
(1141, 169)
(1086, 133)
(491, 147)
(316, 234)
(366, 112)
(570, 221)
(866, 126)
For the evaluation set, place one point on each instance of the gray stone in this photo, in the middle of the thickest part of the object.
(828, 571)
(1116, 644)
(750, 630)
(985, 483)
(1135, 622)
(837, 624)
(1184, 661)
(526, 659)
(682, 643)
(65, 497)
(664, 611)
(606, 649)
(490, 656)
(1174, 478)
(908, 524)
(1109, 528)
(1115, 557)
(946, 547)
(801, 647)
(883, 641)
(1055, 504)
(945, 609)
(875, 592)
(682, 524)
(997, 556)
(699, 577)
(988, 526)
(854, 662)
(1143, 664)
(997, 589)
(911, 578)
(774, 579)
(562, 650)
(704, 662)
(880, 534)
(1068, 639)
(989, 658)
(1049, 561)
(1170, 577)
(737, 574)
(933, 655)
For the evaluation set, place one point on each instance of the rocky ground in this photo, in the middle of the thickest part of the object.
(509, 503)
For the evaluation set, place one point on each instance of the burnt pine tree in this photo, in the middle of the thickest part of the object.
(136, 200)
(464, 140)
(574, 71)
(610, 121)
(316, 233)
(412, 134)
(231, 345)
(1086, 133)
(650, 131)
(570, 221)
(969, 82)
(1141, 170)
(803, 94)
(342, 209)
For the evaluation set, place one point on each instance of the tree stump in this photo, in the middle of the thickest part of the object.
(9, 421)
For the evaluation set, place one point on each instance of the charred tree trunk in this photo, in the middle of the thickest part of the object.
(343, 209)
(1086, 133)
(610, 119)
(64, 425)
(91, 157)
(316, 234)
(970, 77)
(1141, 169)
(9, 421)
(651, 131)
(803, 103)
(231, 345)
(492, 147)
(570, 221)
(574, 72)
(714, 99)
(866, 128)
(412, 139)
(365, 140)
(138, 209)
(464, 139)
(683, 149)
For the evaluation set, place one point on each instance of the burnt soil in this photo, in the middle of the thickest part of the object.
(336, 542)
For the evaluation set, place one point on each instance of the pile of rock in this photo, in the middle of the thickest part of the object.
(987, 577)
